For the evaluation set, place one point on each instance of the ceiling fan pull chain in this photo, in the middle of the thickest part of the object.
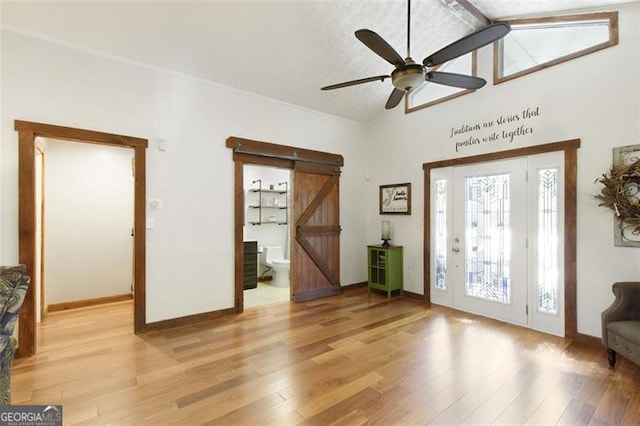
(408, 28)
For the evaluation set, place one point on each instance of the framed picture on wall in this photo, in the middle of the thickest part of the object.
(395, 198)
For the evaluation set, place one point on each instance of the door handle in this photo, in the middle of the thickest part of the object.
(455, 249)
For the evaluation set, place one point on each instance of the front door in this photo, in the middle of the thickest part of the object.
(489, 240)
(315, 264)
(498, 238)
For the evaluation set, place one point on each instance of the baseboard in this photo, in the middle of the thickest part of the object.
(53, 307)
(188, 320)
(416, 296)
(588, 340)
(363, 284)
(354, 286)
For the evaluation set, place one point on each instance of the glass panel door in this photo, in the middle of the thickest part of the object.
(489, 246)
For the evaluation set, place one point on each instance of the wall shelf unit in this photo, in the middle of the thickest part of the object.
(269, 204)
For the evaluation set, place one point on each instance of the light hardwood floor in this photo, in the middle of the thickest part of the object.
(348, 359)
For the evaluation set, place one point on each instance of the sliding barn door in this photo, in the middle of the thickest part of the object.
(315, 267)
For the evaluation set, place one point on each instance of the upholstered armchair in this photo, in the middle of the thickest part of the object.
(621, 323)
(13, 287)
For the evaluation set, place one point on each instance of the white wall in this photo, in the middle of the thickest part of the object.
(190, 251)
(594, 98)
(88, 221)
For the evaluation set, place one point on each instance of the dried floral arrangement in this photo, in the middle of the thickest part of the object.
(620, 192)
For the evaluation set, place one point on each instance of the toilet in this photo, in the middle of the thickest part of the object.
(274, 258)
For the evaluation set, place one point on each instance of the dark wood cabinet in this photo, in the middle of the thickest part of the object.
(250, 276)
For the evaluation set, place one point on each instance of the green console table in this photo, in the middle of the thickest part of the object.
(385, 268)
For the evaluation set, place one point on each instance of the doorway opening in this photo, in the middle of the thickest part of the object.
(499, 236)
(314, 216)
(27, 213)
(478, 257)
(267, 235)
(85, 224)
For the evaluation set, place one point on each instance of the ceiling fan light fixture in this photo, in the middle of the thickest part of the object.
(408, 77)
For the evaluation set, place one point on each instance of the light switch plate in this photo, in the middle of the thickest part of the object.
(151, 223)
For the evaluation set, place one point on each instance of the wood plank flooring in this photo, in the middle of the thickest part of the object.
(347, 359)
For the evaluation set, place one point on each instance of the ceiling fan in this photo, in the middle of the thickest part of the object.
(409, 75)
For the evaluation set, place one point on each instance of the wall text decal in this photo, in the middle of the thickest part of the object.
(503, 128)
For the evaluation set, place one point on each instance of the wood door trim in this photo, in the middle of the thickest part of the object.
(570, 148)
(27, 240)
(262, 161)
(266, 149)
(78, 135)
(27, 133)
(238, 233)
(43, 308)
(570, 244)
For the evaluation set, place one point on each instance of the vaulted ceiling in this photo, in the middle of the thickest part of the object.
(285, 50)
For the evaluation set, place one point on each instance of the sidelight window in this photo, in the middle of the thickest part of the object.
(548, 255)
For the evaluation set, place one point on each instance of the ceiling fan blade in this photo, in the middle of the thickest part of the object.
(394, 99)
(354, 82)
(455, 80)
(380, 47)
(467, 44)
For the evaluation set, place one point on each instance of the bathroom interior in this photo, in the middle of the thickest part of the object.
(266, 234)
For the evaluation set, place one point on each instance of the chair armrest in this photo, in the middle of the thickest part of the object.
(625, 307)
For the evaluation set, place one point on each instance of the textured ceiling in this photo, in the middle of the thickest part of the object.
(284, 50)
